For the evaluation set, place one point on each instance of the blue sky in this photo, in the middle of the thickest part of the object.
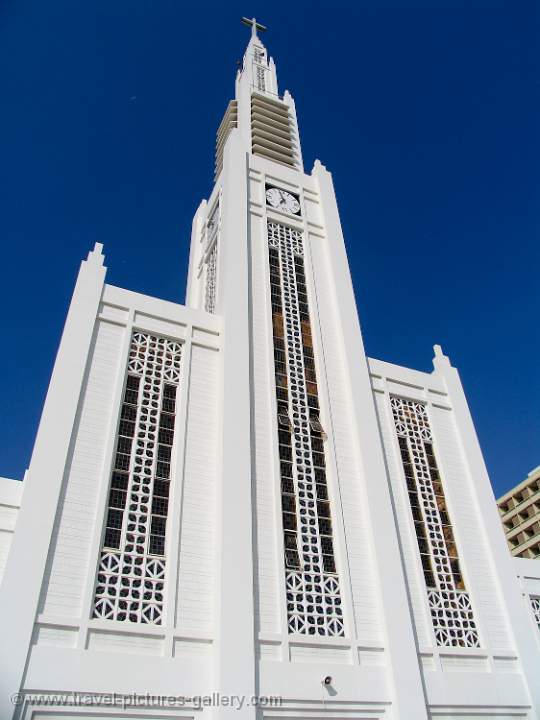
(426, 113)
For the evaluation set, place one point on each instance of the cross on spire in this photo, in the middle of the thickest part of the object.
(251, 22)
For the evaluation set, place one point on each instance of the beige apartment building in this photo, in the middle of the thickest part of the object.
(520, 516)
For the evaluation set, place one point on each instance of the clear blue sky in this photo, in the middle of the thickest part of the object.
(426, 113)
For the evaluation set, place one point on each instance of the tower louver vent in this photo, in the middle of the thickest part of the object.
(230, 120)
(272, 134)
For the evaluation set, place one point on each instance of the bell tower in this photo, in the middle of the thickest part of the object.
(267, 254)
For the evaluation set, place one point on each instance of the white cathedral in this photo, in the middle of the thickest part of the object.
(232, 512)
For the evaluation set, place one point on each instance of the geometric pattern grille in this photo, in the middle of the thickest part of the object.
(211, 254)
(260, 69)
(260, 74)
(211, 276)
(535, 605)
(131, 573)
(449, 603)
(312, 584)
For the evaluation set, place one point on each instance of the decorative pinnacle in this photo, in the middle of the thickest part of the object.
(95, 256)
(251, 22)
(440, 358)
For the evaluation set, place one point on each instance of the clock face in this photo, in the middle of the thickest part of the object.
(282, 200)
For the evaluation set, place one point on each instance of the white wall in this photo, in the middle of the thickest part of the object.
(453, 676)
(70, 650)
(196, 575)
(348, 482)
(10, 502)
(528, 574)
(69, 556)
(269, 570)
(474, 550)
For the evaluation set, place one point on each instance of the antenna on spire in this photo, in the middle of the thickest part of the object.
(251, 22)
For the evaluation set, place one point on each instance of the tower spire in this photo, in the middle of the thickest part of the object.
(252, 22)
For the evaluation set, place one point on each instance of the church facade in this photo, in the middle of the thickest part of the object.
(232, 511)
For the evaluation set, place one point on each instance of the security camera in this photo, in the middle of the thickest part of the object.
(327, 680)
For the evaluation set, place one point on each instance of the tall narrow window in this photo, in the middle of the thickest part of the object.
(312, 583)
(211, 259)
(535, 605)
(449, 603)
(261, 77)
(260, 69)
(211, 277)
(131, 573)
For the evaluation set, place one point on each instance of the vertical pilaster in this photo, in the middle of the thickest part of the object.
(192, 283)
(288, 99)
(235, 643)
(488, 516)
(27, 560)
(405, 675)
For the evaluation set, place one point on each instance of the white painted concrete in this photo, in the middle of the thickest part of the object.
(225, 624)
(10, 502)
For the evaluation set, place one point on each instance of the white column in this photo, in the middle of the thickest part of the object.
(43, 484)
(235, 644)
(405, 674)
(488, 515)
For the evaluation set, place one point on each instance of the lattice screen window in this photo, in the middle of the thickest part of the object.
(449, 603)
(211, 277)
(312, 583)
(131, 573)
(211, 259)
(260, 77)
(535, 605)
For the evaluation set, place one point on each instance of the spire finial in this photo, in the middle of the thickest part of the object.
(251, 22)
(440, 358)
(95, 256)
